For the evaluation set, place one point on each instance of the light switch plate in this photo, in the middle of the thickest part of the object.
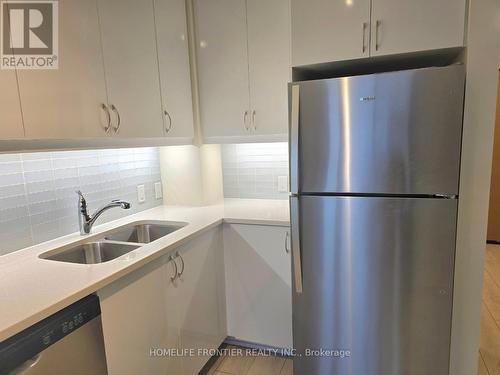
(141, 193)
(158, 192)
(282, 184)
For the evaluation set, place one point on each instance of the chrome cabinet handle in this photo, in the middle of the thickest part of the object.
(245, 118)
(118, 118)
(365, 26)
(176, 274)
(377, 27)
(296, 252)
(178, 255)
(294, 140)
(167, 116)
(105, 108)
(254, 113)
(287, 236)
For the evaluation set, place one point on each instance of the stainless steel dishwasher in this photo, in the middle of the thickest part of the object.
(67, 342)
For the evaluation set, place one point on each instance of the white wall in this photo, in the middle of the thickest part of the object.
(480, 105)
(191, 175)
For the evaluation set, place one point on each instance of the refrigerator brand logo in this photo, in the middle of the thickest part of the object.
(29, 37)
(366, 98)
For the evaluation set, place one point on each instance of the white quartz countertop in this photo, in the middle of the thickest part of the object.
(31, 288)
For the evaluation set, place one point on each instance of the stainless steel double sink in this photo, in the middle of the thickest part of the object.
(114, 244)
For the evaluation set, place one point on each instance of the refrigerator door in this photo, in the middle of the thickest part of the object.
(377, 277)
(389, 133)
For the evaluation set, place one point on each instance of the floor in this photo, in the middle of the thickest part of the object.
(489, 351)
(239, 363)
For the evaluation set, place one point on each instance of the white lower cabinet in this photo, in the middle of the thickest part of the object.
(201, 298)
(258, 284)
(233, 280)
(146, 310)
(136, 318)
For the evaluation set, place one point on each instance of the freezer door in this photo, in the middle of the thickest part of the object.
(377, 284)
(394, 133)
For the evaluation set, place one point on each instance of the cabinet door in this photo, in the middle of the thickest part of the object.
(223, 67)
(202, 298)
(67, 102)
(258, 284)
(173, 59)
(131, 63)
(11, 121)
(269, 62)
(138, 314)
(329, 30)
(400, 26)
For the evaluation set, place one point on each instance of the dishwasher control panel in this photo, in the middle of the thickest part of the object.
(28, 343)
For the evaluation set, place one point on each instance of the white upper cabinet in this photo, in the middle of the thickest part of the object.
(269, 64)
(67, 102)
(123, 72)
(173, 59)
(400, 26)
(329, 30)
(11, 121)
(131, 65)
(243, 66)
(223, 67)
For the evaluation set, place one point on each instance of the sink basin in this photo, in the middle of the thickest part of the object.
(93, 252)
(143, 233)
(118, 242)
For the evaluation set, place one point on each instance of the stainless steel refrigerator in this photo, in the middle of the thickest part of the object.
(374, 176)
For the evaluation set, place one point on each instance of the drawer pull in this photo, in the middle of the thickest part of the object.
(178, 255)
(171, 259)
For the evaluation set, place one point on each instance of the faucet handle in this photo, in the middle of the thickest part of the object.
(82, 198)
(82, 202)
(82, 206)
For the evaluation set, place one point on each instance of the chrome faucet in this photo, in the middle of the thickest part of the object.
(86, 222)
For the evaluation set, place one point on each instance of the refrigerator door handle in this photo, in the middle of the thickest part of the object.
(296, 252)
(294, 139)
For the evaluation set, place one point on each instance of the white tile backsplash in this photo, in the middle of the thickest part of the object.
(252, 170)
(37, 190)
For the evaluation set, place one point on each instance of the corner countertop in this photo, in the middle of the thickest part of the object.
(32, 289)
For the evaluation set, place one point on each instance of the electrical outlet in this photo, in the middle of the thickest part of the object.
(141, 193)
(282, 184)
(158, 192)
